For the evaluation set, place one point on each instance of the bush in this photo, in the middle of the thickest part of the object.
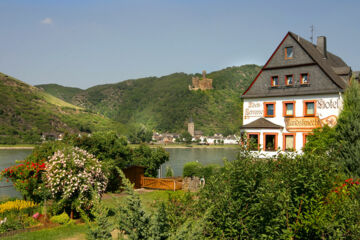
(61, 218)
(71, 175)
(192, 169)
(169, 172)
(195, 169)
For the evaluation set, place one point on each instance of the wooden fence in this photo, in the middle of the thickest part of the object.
(161, 183)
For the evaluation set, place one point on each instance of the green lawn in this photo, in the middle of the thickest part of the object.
(75, 231)
(6, 146)
(78, 231)
(149, 199)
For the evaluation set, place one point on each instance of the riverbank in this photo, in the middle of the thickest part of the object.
(188, 146)
(18, 146)
(31, 146)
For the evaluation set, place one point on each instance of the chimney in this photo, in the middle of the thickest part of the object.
(321, 45)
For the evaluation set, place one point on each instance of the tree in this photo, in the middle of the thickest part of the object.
(161, 226)
(101, 227)
(186, 136)
(348, 130)
(132, 218)
(140, 134)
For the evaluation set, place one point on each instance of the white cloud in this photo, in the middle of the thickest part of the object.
(47, 21)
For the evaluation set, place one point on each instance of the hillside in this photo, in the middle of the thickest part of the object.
(26, 112)
(64, 93)
(165, 103)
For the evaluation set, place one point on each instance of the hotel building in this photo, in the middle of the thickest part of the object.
(298, 89)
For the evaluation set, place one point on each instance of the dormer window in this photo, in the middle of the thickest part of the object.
(289, 53)
(274, 81)
(304, 78)
(289, 80)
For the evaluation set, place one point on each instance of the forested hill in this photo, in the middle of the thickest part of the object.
(166, 103)
(64, 93)
(27, 112)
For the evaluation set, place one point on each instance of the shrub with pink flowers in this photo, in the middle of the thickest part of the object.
(71, 175)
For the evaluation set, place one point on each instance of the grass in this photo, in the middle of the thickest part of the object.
(56, 101)
(148, 199)
(61, 232)
(78, 231)
(6, 146)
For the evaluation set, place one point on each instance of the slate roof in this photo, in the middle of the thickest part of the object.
(326, 64)
(331, 65)
(262, 123)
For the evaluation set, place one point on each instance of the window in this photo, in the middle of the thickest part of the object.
(269, 109)
(274, 81)
(289, 109)
(309, 108)
(270, 141)
(304, 78)
(289, 53)
(289, 80)
(289, 141)
(253, 141)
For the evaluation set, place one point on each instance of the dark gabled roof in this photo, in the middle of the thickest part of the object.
(262, 123)
(326, 63)
(333, 66)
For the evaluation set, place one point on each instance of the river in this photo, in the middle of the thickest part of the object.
(178, 157)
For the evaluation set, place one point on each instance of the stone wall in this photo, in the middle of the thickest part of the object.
(192, 184)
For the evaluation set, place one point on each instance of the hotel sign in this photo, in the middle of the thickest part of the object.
(302, 124)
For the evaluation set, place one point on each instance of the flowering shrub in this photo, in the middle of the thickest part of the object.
(26, 177)
(16, 205)
(71, 175)
(347, 187)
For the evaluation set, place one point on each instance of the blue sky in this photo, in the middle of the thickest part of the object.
(85, 43)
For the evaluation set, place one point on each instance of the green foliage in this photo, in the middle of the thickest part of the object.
(101, 227)
(150, 158)
(61, 218)
(169, 172)
(161, 227)
(27, 175)
(27, 113)
(322, 141)
(64, 93)
(61, 232)
(192, 169)
(348, 130)
(140, 134)
(114, 152)
(186, 137)
(132, 218)
(275, 199)
(165, 103)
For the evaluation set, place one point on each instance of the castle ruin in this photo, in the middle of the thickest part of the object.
(202, 84)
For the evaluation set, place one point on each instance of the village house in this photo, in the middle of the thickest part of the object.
(298, 89)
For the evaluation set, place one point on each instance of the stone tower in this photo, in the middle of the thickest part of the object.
(191, 127)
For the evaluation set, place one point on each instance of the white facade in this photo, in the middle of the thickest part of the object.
(327, 108)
